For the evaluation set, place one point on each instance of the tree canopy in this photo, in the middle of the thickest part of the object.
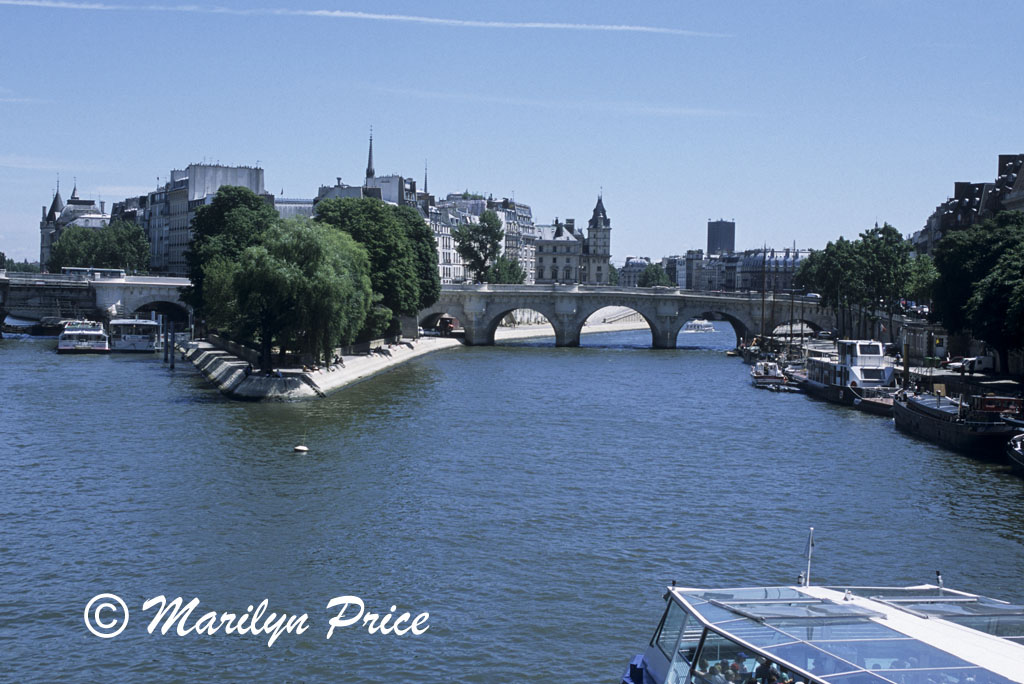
(921, 277)
(424, 254)
(506, 271)
(375, 226)
(122, 244)
(235, 220)
(979, 281)
(306, 287)
(653, 275)
(479, 244)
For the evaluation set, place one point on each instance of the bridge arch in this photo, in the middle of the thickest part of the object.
(589, 308)
(175, 311)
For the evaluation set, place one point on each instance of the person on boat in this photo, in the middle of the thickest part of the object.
(765, 670)
(715, 675)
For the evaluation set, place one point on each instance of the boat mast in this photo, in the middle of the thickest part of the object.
(808, 551)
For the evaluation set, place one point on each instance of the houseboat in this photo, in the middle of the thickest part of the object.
(973, 425)
(924, 634)
(83, 337)
(857, 375)
(134, 335)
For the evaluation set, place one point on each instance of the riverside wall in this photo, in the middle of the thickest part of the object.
(230, 372)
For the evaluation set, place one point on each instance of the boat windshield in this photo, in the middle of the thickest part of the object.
(834, 637)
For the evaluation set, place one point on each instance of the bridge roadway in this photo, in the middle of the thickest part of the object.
(480, 308)
(33, 296)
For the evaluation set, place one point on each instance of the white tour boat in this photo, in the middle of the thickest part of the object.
(698, 325)
(83, 337)
(765, 374)
(923, 634)
(134, 335)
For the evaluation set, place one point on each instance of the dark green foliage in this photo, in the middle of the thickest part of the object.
(306, 286)
(234, 221)
(921, 277)
(506, 271)
(479, 244)
(121, 244)
(24, 266)
(653, 275)
(979, 288)
(613, 275)
(375, 226)
(424, 253)
(886, 256)
(837, 273)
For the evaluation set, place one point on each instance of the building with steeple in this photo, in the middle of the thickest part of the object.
(597, 248)
(564, 255)
(76, 212)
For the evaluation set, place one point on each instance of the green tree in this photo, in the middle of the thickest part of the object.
(837, 274)
(653, 275)
(506, 271)
(963, 258)
(613, 275)
(265, 288)
(393, 273)
(479, 244)
(921, 278)
(885, 255)
(332, 292)
(424, 253)
(235, 220)
(76, 246)
(997, 302)
(122, 244)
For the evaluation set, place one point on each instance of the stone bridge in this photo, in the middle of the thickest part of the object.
(480, 308)
(34, 296)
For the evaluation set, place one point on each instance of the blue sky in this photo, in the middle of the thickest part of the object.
(801, 121)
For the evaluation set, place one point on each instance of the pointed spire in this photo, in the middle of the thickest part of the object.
(424, 176)
(369, 160)
(74, 190)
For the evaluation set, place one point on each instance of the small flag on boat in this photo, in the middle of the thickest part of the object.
(810, 544)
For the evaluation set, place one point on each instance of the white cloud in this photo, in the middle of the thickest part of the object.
(366, 16)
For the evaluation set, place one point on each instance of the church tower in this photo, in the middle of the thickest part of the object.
(369, 160)
(598, 245)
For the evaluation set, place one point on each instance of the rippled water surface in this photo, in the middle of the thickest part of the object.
(534, 500)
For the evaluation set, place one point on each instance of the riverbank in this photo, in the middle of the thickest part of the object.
(232, 376)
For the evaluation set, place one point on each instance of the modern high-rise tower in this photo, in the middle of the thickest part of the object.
(721, 236)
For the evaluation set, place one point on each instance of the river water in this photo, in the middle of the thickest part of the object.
(534, 500)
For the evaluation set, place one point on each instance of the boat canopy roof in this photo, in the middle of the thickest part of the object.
(135, 321)
(870, 635)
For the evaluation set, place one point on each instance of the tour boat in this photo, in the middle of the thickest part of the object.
(857, 375)
(698, 325)
(924, 634)
(765, 374)
(134, 335)
(973, 426)
(83, 337)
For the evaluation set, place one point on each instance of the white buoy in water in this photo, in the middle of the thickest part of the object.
(301, 449)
